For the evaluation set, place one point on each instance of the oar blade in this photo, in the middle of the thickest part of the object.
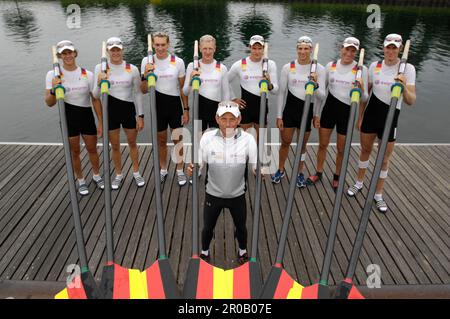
(81, 287)
(191, 282)
(280, 285)
(316, 291)
(168, 281)
(205, 281)
(347, 290)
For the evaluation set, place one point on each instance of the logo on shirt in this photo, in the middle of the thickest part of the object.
(332, 80)
(245, 77)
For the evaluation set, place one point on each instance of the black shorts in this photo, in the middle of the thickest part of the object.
(375, 118)
(250, 114)
(293, 111)
(335, 113)
(80, 120)
(168, 111)
(207, 112)
(121, 113)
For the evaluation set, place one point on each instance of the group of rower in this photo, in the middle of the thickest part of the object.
(331, 108)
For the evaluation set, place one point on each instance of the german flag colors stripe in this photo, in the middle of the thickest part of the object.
(287, 287)
(74, 291)
(216, 283)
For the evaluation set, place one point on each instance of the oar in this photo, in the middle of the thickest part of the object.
(160, 278)
(203, 280)
(279, 284)
(83, 286)
(255, 277)
(321, 290)
(191, 283)
(346, 289)
(117, 282)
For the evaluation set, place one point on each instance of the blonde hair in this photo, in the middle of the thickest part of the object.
(207, 38)
(161, 34)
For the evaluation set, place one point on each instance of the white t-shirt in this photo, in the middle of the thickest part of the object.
(294, 77)
(250, 74)
(214, 77)
(227, 159)
(383, 78)
(125, 82)
(341, 78)
(168, 72)
(78, 84)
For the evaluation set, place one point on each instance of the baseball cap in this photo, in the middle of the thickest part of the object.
(114, 42)
(351, 42)
(64, 45)
(228, 107)
(305, 39)
(393, 38)
(256, 39)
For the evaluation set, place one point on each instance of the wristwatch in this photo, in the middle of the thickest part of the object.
(186, 108)
(141, 116)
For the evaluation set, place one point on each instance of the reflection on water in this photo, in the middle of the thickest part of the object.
(254, 22)
(39, 24)
(20, 24)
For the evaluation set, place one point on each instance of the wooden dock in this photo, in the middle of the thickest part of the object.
(411, 243)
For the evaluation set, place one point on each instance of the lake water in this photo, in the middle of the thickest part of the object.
(29, 28)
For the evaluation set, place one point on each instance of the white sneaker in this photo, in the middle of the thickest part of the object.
(182, 179)
(139, 180)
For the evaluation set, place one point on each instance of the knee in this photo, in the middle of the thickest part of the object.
(91, 149)
(323, 146)
(132, 144)
(115, 147)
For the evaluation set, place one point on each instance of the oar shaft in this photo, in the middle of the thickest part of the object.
(72, 190)
(158, 195)
(292, 185)
(257, 210)
(372, 188)
(195, 200)
(339, 192)
(106, 172)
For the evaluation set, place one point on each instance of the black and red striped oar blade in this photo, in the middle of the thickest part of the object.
(280, 285)
(347, 290)
(316, 291)
(82, 286)
(205, 281)
(156, 282)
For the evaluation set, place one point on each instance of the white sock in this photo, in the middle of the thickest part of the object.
(359, 184)
(163, 172)
(96, 177)
(242, 251)
(205, 252)
(119, 176)
(81, 181)
(136, 174)
(180, 171)
(378, 197)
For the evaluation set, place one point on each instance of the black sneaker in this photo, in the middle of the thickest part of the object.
(242, 259)
(206, 258)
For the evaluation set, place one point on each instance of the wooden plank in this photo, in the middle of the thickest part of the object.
(432, 205)
(29, 249)
(346, 231)
(25, 195)
(42, 250)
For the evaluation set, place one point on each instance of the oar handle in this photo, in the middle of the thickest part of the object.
(265, 64)
(150, 59)
(196, 63)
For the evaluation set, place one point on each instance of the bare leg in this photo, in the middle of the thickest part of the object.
(134, 153)
(162, 144)
(324, 141)
(286, 140)
(75, 152)
(91, 147)
(114, 139)
(367, 141)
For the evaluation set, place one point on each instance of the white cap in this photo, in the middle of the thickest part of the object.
(256, 39)
(228, 107)
(64, 45)
(393, 38)
(114, 42)
(351, 42)
(306, 40)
